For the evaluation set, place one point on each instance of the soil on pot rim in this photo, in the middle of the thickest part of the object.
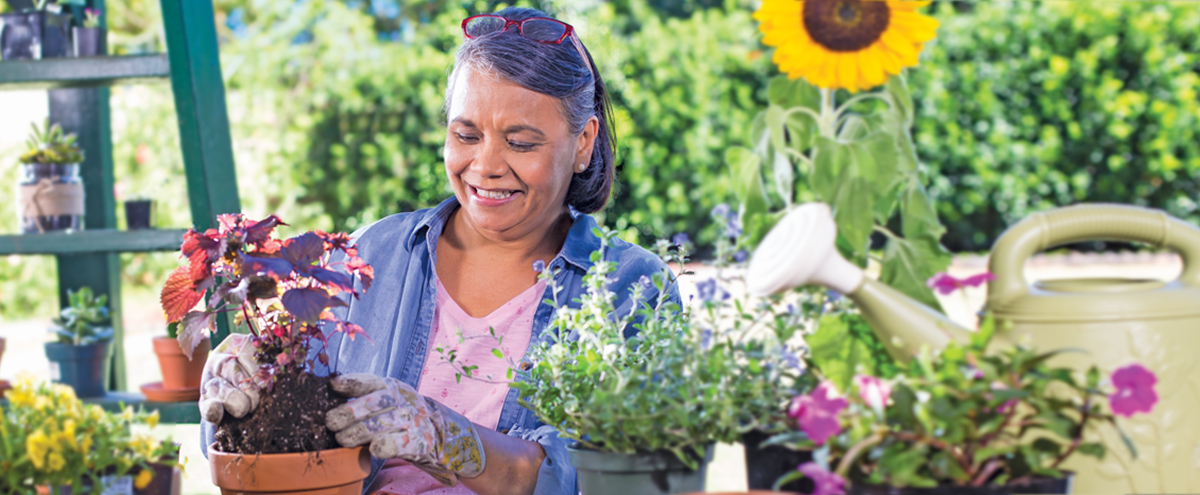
(290, 419)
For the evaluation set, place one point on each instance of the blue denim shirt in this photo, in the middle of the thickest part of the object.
(397, 313)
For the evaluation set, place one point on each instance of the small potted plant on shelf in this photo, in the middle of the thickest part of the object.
(644, 412)
(90, 37)
(139, 213)
(52, 439)
(180, 371)
(962, 421)
(84, 332)
(50, 191)
(281, 291)
(40, 32)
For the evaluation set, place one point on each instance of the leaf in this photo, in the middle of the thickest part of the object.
(509, 373)
(260, 230)
(875, 158)
(306, 304)
(234, 294)
(275, 268)
(835, 353)
(785, 177)
(196, 325)
(855, 216)
(919, 217)
(777, 126)
(177, 296)
(1096, 450)
(901, 99)
(829, 163)
(982, 337)
(789, 93)
(498, 353)
(905, 265)
(332, 278)
(303, 250)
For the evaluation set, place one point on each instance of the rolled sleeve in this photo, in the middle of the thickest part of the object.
(556, 476)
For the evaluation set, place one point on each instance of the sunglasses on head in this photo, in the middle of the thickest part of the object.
(539, 29)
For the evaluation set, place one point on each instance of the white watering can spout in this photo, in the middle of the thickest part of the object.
(801, 250)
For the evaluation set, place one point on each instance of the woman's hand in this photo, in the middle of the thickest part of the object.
(230, 382)
(400, 423)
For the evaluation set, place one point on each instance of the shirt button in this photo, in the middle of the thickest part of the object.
(526, 365)
(504, 431)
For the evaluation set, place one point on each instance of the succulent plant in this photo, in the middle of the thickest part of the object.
(50, 145)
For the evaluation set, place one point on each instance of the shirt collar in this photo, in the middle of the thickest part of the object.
(577, 249)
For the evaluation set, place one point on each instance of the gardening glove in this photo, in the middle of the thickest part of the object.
(231, 382)
(399, 423)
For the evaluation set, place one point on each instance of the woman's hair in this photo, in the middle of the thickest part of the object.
(554, 70)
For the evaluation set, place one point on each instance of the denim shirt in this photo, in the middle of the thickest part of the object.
(397, 314)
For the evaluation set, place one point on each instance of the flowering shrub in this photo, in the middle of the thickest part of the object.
(684, 381)
(962, 417)
(281, 289)
(49, 437)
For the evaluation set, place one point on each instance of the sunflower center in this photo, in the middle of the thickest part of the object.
(845, 25)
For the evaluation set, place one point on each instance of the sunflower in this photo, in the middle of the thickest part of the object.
(848, 44)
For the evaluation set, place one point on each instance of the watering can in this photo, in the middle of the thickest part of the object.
(1116, 321)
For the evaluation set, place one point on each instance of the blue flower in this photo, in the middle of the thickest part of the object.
(721, 211)
(680, 239)
(539, 266)
(833, 295)
(790, 358)
(710, 291)
(706, 338)
(733, 226)
(740, 256)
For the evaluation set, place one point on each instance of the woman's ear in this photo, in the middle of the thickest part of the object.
(587, 142)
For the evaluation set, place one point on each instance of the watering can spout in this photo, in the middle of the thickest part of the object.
(801, 250)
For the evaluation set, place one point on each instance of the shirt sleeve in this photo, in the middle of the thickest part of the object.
(556, 476)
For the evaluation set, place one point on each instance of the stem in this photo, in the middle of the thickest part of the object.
(844, 463)
(966, 466)
(860, 98)
(885, 231)
(828, 120)
(986, 473)
(1087, 407)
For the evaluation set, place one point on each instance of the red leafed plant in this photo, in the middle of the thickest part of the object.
(281, 289)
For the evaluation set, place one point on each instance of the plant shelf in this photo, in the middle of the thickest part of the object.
(85, 72)
(168, 412)
(92, 241)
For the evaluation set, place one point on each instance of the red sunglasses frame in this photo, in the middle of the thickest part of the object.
(569, 32)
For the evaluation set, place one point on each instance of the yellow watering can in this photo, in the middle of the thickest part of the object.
(1117, 321)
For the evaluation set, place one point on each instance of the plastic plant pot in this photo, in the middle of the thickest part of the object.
(90, 42)
(1036, 485)
(50, 197)
(33, 35)
(765, 465)
(657, 473)
(83, 367)
(139, 214)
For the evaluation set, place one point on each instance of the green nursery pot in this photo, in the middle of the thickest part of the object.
(84, 368)
(658, 473)
(1116, 322)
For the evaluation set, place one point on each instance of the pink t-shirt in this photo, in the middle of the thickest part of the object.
(481, 398)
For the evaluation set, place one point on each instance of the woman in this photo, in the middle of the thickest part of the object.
(528, 153)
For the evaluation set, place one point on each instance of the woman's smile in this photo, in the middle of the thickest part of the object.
(492, 197)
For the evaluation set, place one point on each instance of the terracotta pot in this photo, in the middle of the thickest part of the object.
(328, 472)
(177, 371)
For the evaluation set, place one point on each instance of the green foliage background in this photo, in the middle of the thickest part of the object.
(335, 112)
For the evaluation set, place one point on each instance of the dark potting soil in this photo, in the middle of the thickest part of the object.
(290, 419)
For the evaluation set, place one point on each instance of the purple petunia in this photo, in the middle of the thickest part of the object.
(824, 482)
(946, 284)
(1135, 390)
(817, 413)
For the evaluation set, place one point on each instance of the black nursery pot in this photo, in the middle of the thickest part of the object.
(1036, 485)
(765, 465)
(139, 214)
(90, 42)
(33, 35)
(83, 367)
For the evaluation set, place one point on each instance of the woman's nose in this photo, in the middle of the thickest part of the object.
(489, 162)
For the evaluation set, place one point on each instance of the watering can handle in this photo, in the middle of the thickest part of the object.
(1089, 222)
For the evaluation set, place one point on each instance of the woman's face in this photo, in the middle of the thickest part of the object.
(510, 155)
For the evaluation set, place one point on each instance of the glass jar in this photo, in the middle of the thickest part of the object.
(49, 197)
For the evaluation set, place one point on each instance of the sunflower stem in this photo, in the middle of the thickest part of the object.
(860, 98)
(829, 115)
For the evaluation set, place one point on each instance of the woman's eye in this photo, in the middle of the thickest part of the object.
(467, 138)
(521, 147)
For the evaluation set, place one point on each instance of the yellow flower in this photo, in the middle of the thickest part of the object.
(152, 419)
(67, 436)
(85, 446)
(37, 445)
(143, 479)
(56, 461)
(847, 44)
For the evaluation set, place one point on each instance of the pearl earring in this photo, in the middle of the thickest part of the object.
(581, 167)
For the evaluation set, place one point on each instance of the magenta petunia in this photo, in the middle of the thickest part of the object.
(817, 413)
(873, 391)
(946, 284)
(824, 482)
(1135, 390)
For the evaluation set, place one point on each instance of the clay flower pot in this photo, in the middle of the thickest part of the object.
(177, 371)
(328, 472)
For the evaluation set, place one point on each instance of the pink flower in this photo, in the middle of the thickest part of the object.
(817, 413)
(874, 392)
(824, 482)
(1135, 390)
(945, 284)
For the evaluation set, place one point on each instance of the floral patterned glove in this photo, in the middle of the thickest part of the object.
(230, 382)
(400, 423)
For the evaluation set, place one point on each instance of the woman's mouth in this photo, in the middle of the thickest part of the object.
(492, 197)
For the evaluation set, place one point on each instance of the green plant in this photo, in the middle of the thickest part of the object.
(48, 144)
(50, 437)
(91, 18)
(85, 320)
(963, 417)
(675, 386)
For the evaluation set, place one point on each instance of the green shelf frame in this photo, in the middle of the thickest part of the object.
(87, 72)
(93, 241)
(168, 412)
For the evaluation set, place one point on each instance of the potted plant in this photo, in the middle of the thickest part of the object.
(645, 411)
(180, 371)
(83, 331)
(281, 289)
(139, 213)
(52, 439)
(35, 33)
(961, 421)
(89, 38)
(50, 191)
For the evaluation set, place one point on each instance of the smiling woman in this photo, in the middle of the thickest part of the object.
(528, 154)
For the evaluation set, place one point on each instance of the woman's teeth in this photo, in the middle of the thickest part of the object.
(493, 194)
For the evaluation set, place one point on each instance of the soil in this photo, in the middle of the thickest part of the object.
(290, 419)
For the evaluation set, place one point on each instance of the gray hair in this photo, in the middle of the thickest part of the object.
(554, 70)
